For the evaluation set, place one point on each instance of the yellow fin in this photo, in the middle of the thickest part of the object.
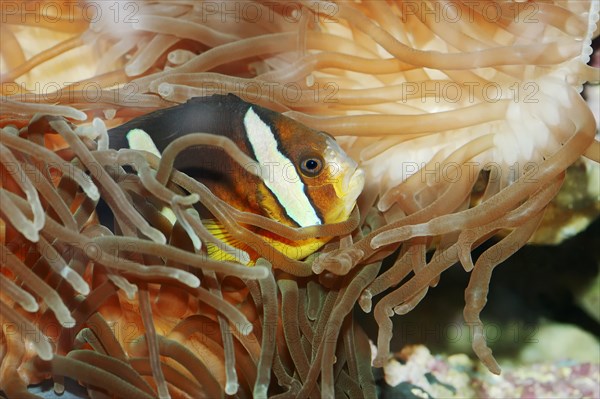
(299, 249)
(237, 251)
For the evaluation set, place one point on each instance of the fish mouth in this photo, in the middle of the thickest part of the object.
(355, 184)
(352, 182)
(354, 175)
(352, 185)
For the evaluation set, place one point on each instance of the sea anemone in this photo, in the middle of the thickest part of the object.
(464, 116)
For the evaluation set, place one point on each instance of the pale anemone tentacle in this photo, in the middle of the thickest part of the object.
(29, 228)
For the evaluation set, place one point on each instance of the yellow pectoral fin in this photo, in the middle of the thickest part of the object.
(292, 249)
(236, 252)
(298, 249)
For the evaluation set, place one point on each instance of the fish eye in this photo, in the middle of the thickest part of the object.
(311, 166)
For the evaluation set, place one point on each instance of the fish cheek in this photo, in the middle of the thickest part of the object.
(326, 202)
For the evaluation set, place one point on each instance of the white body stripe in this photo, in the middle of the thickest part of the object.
(140, 140)
(283, 181)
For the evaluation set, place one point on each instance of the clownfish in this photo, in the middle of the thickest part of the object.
(306, 178)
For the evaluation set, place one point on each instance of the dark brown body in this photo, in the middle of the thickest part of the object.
(223, 115)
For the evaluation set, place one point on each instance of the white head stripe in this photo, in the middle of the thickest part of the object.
(140, 140)
(276, 172)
